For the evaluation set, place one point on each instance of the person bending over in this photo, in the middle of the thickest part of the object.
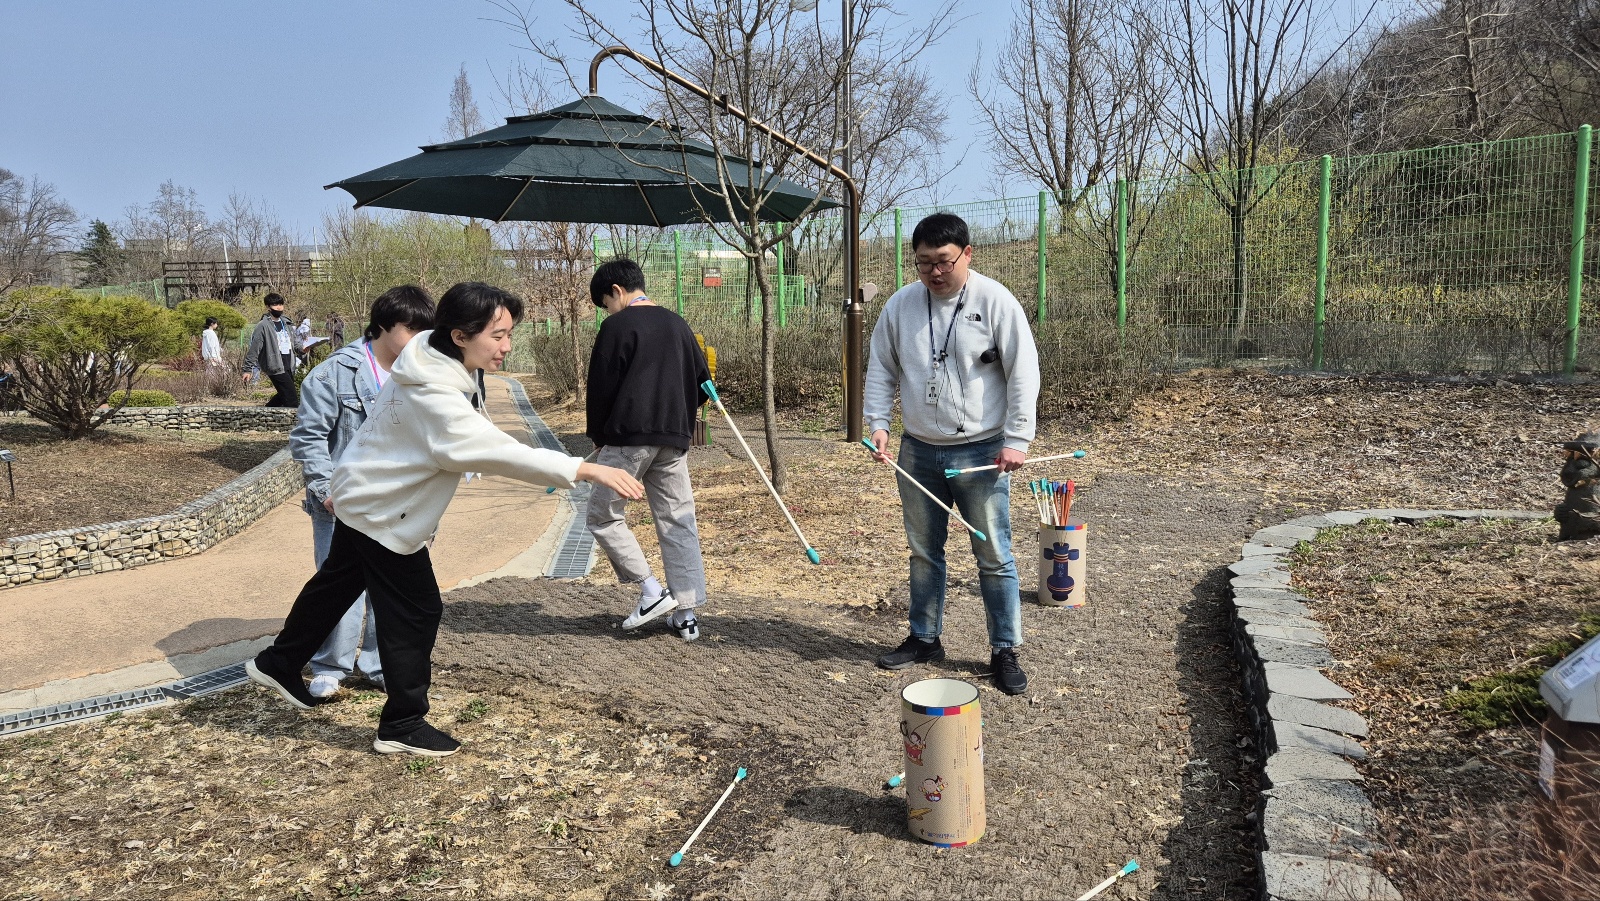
(390, 490)
(336, 397)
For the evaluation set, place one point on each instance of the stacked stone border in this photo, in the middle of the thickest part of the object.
(190, 529)
(1318, 831)
(196, 418)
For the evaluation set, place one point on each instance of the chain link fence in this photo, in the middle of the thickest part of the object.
(1457, 258)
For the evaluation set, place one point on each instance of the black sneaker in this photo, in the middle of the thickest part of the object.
(912, 650)
(424, 740)
(290, 687)
(1007, 672)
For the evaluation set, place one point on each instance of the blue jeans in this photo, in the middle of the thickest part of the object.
(983, 499)
(337, 656)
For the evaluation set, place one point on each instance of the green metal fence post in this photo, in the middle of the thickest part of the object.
(1319, 319)
(677, 269)
(1044, 225)
(899, 253)
(1122, 255)
(1580, 220)
(783, 312)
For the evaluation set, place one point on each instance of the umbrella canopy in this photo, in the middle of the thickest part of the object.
(587, 161)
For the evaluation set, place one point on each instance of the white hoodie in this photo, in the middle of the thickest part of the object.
(395, 479)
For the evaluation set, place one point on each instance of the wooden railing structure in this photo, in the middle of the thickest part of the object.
(224, 279)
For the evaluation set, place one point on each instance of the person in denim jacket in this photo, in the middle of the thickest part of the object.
(335, 399)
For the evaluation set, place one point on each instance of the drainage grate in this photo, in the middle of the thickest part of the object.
(206, 683)
(57, 714)
(575, 557)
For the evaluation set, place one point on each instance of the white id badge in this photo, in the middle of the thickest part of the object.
(933, 391)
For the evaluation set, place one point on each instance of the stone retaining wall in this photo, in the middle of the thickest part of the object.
(215, 419)
(1318, 831)
(198, 418)
(189, 529)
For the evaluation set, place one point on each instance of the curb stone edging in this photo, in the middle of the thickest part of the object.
(189, 529)
(1316, 825)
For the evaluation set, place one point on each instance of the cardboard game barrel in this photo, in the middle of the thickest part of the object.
(942, 727)
(1062, 563)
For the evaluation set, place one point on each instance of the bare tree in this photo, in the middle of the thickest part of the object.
(35, 230)
(1243, 66)
(553, 264)
(464, 119)
(745, 54)
(1073, 96)
(250, 228)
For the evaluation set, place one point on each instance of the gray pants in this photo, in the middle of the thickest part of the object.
(665, 474)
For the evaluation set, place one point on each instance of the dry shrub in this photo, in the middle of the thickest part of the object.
(1088, 368)
(1494, 850)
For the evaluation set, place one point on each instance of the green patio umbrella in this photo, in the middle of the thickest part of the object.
(587, 161)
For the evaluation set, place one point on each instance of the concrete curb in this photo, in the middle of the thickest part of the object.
(215, 669)
(1317, 828)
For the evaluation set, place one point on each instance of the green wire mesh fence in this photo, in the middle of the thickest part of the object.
(1466, 257)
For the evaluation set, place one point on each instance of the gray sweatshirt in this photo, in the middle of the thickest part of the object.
(973, 400)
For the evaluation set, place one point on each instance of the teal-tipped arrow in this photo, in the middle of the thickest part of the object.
(867, 442)
(1075, 455)
(711, 392)
(738, 777)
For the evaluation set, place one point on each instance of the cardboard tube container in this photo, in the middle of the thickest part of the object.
(942, 727)
(1063, 554)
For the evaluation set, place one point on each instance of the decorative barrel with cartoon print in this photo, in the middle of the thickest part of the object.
(1062, 551)
(942, 727)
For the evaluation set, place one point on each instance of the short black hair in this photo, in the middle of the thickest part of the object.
(470, 307)
(272, 299)
(940, 229)
(210, 321)
(620, 271)
(406, 305)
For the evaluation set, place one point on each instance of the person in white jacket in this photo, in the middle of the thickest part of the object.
(389, 491)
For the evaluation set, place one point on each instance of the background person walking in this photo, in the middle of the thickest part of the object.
(957, 348)
(272, 350)
(644, 388)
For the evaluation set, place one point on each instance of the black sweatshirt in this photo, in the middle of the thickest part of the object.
(644, 379)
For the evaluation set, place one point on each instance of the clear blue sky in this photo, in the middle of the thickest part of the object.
(107, 99)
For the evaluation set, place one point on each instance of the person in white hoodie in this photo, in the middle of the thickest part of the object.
(389, 491)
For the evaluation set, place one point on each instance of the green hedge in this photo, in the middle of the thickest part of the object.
(141, 397)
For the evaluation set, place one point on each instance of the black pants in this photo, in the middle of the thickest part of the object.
(406, 602)
(287, 396)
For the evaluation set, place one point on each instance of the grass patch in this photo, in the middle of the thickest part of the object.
(1504, 699)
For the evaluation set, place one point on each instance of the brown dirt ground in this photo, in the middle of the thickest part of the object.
(1131, 742)
(1412, 613)
(116, 474)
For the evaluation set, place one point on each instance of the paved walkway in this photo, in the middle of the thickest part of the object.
(78, 638)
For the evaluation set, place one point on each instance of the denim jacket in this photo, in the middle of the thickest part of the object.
(335, 399)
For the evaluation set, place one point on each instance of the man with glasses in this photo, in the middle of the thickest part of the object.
(957, 347)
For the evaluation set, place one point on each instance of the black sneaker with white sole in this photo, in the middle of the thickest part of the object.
(289, 686)
(424, 741)
(649, 608)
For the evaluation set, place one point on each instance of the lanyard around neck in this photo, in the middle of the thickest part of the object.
(377, 375)
(961, 301)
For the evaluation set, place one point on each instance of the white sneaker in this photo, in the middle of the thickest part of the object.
(689, 630)
(649, 608)
(324, 686)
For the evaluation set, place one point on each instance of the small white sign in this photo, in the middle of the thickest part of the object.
(1579, 668)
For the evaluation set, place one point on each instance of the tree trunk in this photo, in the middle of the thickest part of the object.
(1241, 296)
(769, 354)
(580, 380)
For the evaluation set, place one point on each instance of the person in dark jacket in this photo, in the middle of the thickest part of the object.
(644, 388)
(273, 346)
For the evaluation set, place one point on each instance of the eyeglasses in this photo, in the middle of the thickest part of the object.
(940, 266)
